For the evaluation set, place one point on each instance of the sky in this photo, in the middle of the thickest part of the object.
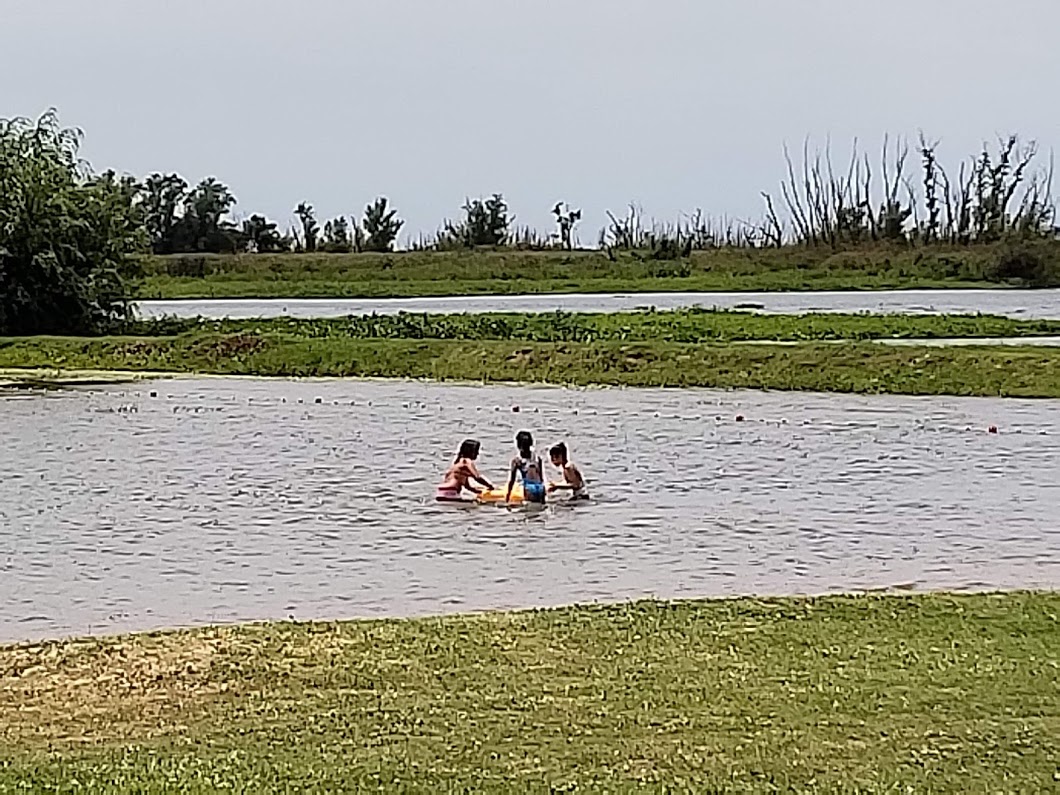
(671, 104)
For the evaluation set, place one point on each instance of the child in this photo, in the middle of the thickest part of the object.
(459, 476)
(573, 480)
(528, 466)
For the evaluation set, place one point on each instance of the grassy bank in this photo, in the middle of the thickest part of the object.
(865, 367)
(685, 325)
(411, 274)
(874, 694)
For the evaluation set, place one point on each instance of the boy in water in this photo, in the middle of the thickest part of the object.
(572, 478)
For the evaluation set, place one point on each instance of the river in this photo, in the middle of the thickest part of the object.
(222, 500)
(1013, 303)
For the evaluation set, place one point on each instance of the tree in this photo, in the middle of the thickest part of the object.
(310, 228)
(381, 226)
(202, 227)
(485, 224)
(566, 220)
(337, 236)
(67, 236)
(162, 196)
(262, 235)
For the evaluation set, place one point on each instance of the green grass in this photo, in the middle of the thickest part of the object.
(685, 325)
(930, 693)
(413, 274)
(864, 367)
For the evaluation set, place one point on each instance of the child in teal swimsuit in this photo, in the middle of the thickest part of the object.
(527, 465)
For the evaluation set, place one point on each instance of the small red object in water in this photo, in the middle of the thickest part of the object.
(992, 429)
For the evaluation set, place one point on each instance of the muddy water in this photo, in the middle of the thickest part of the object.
(1014, 303)
(223, 500)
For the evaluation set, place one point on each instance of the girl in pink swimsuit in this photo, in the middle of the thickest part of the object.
(459, 476)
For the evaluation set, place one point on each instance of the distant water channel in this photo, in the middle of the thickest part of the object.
(221, 500)
(1012, 303)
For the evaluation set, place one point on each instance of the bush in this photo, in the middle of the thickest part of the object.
(67, 237)
(485, 223)
(381, 227)
(188, 266)
(1033, 263)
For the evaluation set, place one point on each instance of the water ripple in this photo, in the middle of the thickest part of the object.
(247, 499)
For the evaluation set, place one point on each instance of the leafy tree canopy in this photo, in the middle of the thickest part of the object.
(67, 236)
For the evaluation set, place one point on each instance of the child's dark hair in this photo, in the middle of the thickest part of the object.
(469, 449)
(559, 451)
(525, 442)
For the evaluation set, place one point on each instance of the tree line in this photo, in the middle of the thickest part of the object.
(180, 219)
(999, 193)
(68, 236)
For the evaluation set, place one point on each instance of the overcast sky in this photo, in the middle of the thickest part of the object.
(675, 104)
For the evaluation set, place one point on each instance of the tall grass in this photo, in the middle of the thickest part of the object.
(1000, 193)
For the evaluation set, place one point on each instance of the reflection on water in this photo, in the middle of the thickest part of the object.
(224, 500)
(1014, 303)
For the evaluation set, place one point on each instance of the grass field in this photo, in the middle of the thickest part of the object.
(870, 694)
(864, 368)
(411, 274)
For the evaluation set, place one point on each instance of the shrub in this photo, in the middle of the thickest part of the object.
(380, 227)
(1034, 263)
(67, 237)
(486, 223)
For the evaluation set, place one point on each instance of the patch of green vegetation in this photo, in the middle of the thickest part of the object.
(37, 379)
(480, 272)
(864, 367)
(684, 325)
(872, 694)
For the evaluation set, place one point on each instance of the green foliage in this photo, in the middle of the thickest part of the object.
(179, 220)
(337, 238)
(381, 227)
(270, 350)
(566, 219)
(310, 228)
(683, 325)
(485, 223)
(993, 195)
(66, 235)
(1029, 262)
(491, 272)
(162, 197)
(201, 228)
(263, 236)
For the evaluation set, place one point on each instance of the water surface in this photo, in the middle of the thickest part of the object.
(231, 499)
(1013, 303)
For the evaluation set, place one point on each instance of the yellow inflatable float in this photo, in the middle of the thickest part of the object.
(497, 496)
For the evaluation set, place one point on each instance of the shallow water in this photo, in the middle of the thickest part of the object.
(1013, 303)
(223, 500)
